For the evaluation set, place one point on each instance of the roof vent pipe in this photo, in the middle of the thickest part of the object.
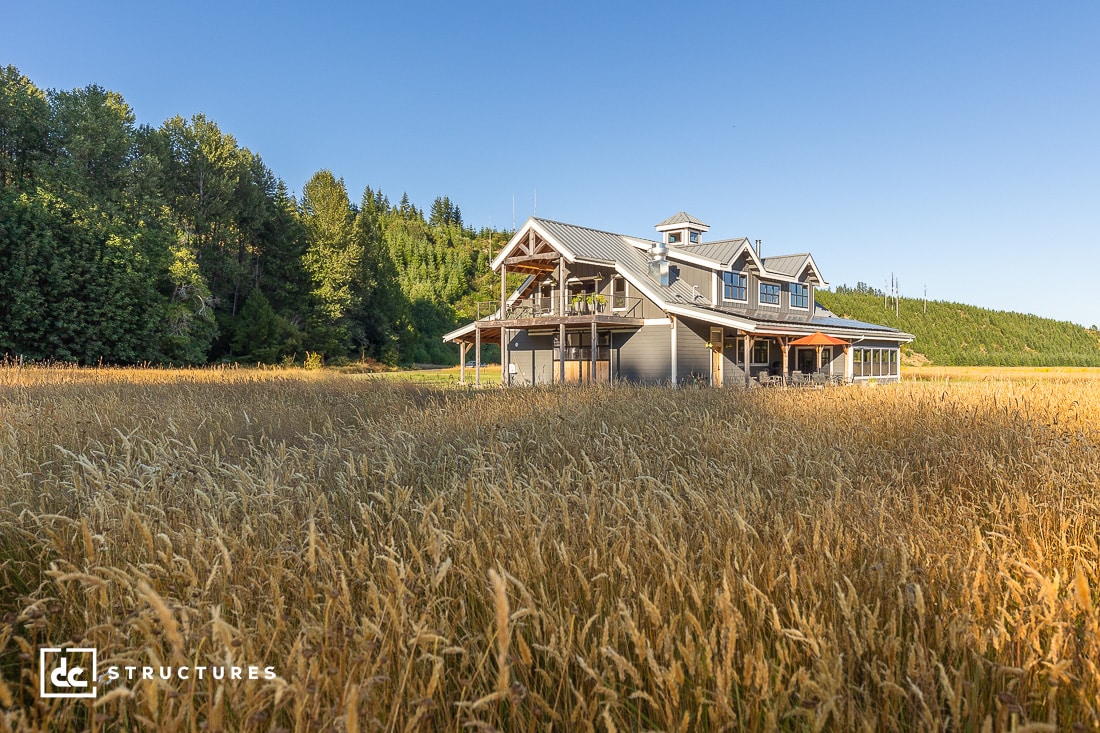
(758, 248)
(658, 263)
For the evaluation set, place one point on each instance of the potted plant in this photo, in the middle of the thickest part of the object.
(580, 303)
(598, 302)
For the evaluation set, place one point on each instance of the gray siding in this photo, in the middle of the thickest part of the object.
(692, 352)
(532, 356)
(643, 355)
(697, 276)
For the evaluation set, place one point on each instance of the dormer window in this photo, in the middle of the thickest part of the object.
(694, 237)
(800, 297)
(673, 238)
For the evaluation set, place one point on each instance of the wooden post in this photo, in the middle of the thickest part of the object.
(463, 347)
(786, 347)
(561, 352)
(477, 356)
(592, 376)
(748, 359)
(818, 349)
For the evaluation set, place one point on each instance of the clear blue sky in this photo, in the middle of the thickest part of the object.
(956, 144)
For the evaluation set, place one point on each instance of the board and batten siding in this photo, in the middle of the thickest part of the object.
(644, 355)
(533, 357)
(694, 356)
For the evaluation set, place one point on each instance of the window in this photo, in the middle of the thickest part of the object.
(694, 237)
(769, 294)
(618, 294)
(733, 286)
(673, 238)
(760, 351)
(874, 362)
(800, 296)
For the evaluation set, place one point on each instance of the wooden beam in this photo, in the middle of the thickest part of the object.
(463, 347)
(548, 257)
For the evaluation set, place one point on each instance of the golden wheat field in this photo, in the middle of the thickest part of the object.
(916, 557)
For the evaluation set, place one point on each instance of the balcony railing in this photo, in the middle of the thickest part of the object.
(615, 305)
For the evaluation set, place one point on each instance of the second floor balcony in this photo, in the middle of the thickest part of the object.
(582, 308)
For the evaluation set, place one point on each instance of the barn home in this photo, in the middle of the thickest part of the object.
(677, 309)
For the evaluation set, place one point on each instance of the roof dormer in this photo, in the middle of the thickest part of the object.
(682, 229)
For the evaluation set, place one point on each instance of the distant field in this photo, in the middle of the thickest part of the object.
(978, 374)
(923, 556)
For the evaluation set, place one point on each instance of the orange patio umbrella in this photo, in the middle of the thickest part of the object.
(818, 339)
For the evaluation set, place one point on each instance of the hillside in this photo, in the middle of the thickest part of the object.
(953, 334)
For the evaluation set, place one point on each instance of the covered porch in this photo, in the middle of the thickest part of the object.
(743, 358)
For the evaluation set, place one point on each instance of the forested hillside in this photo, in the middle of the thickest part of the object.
(952, 334)
(123, 244)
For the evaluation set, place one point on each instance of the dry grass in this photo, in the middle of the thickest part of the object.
(921, 557)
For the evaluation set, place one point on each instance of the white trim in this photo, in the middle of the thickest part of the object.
(714, 288)
(722, 319)
(700, 227)
(655, 322)
(706, 262)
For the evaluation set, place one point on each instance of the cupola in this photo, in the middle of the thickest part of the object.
(681, 229)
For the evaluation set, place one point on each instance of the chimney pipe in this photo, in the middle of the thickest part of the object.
(758, 248)
(658, 263)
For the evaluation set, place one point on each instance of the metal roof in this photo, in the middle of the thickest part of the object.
(789, 265)
(721, 252)
(682, 218)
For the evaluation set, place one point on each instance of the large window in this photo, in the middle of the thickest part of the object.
(733, 286)
(760, 351)
(874, 362)
(769, 293)
(800, 296)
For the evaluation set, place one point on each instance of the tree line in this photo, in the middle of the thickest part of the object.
(124, 243)
(954, 334)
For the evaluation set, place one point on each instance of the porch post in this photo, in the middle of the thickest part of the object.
(818, 350)
(592, 374)
(477, 356)
(786, 349)
(748, 359)
(849, 365)
(462, 349)
(561, 352)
